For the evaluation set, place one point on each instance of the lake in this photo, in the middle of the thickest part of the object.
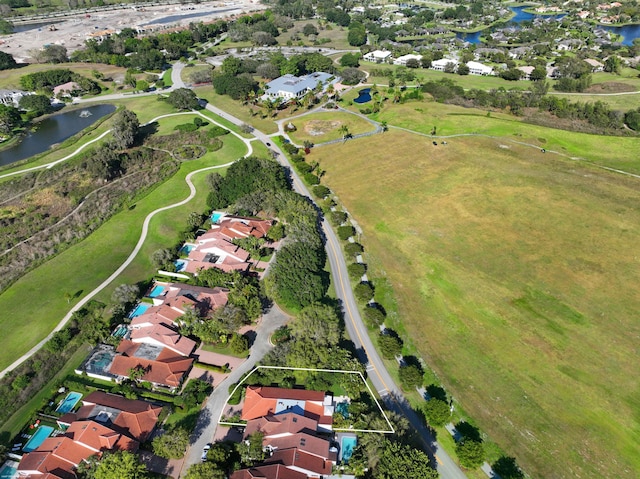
(33, 26)
(629, 32)
(178, 17)
(53, 130)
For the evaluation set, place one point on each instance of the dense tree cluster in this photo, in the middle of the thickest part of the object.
(46, 80)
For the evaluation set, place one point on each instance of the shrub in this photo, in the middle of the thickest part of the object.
(321, 191)
(239, 343)
(338, 217)
(470, 453)
(390, 344)
(311, 179)
(216, 131)
(302, 167)
(353, 249)
(356, 270)
(346, 232)
(363, 291)
(212, 367)
(186, 127)
(411, 376)
(236, 397)
(374, 316)
(437, 412)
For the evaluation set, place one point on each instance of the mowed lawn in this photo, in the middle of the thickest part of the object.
(35, 304)
(516, 278)
(326, 126)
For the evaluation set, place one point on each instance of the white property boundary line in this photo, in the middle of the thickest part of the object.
(390, 431)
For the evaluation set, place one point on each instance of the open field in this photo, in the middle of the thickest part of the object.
(325, 126)
(422, 116)
(37, 300)
(336, 34)
(515, 278)
(11, 78)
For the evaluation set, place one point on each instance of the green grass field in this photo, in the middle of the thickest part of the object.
(37, 301)
(513, 279)
(325, 126)
(336, 35)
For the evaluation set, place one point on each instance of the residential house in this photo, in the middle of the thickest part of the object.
(519, 52)
(12, 97)
(162, 366)
(214, 251)
(271, 471)
(137, 419)
(596, 66)
(441, 65)
(377, 56)
(237, 227)
(65, 89)
(263, 401)
(288, 87)
(405, 58)
(476, 68)
(526, 70)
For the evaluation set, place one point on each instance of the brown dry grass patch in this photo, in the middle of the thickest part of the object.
(516, 280)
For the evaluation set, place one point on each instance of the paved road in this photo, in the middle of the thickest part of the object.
(391, 395)
(210, 414)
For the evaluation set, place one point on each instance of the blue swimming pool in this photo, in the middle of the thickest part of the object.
(140, 309)
(120, 332)
(9, 470)
(186, 249)
(348, 445)
(215, 217)
(38, 438)
(364, 96)
(69, 402)
(156, 291)
(180, 265)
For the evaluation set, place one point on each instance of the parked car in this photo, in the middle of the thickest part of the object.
(205, 450)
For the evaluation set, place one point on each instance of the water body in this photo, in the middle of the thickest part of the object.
(44, 26)
(629, 32)
(54, 129)
(364, 96)
(175, 18)
(521, 16)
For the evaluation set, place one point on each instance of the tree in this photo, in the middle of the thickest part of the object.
(54, 54)
(613, 64)
(309, 29)
(350, 60)
(390, 344)
(125, 128)
(373, 315)
(250, 449)
(357, 34)
(363, 291)
(538, 73)
(318, 323)
(400, 460)
(205, 470)
(172, 444)
(125, 294)
(463, 69)
(632, 119)
(470, 453)
(413, 63)
(9, 119)
(411, 376)
(161, 257)
(437, 412)
(142, 85)
(353, 249)
(507, 468)
(7, 61)
(38, 104)
(268, 71)
(137, 373)
(194, 220)
(356, 270)
(352, 76)
(120, 465)
(239, 343)
(345, 232)
(183, 99)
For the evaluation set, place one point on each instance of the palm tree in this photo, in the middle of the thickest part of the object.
(384, 125)
(344, 130)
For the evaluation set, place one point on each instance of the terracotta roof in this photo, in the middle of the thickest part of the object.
(297, 458)
(271, 471)
(44, 464)
(165, 336)
(281, 424)
(308, 443)
(168, 368)
(263, 401)
(99, 437)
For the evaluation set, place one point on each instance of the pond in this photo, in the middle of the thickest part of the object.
(629, 32)
(53, 130)
(176, 18)
(364, 96)
(43, 26)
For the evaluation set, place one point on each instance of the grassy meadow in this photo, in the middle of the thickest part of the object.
(515, 279)
(325, 126)
(36, 302)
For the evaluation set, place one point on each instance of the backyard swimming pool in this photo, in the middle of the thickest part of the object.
(140, 309)
(215, 217)
(186, 249)
(180, 265)
(38, 438)
(69, 402)
(156, 291)
(9, 470)
(348, 444)
(120, 332)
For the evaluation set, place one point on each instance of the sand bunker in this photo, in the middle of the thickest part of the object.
(321, 127)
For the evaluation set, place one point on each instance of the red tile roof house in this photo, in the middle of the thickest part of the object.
(272, 471)
(132, 417)
(163, 367)
(237, 227)
(59, 456)
(213, 251)
(263, 401)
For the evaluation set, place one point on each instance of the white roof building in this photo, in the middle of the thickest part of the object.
(441, 64)
(290, 86)
(476, 68)
(377, 56)
(404, 58)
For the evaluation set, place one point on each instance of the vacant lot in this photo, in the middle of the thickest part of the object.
(516, 278)
(327, 126)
